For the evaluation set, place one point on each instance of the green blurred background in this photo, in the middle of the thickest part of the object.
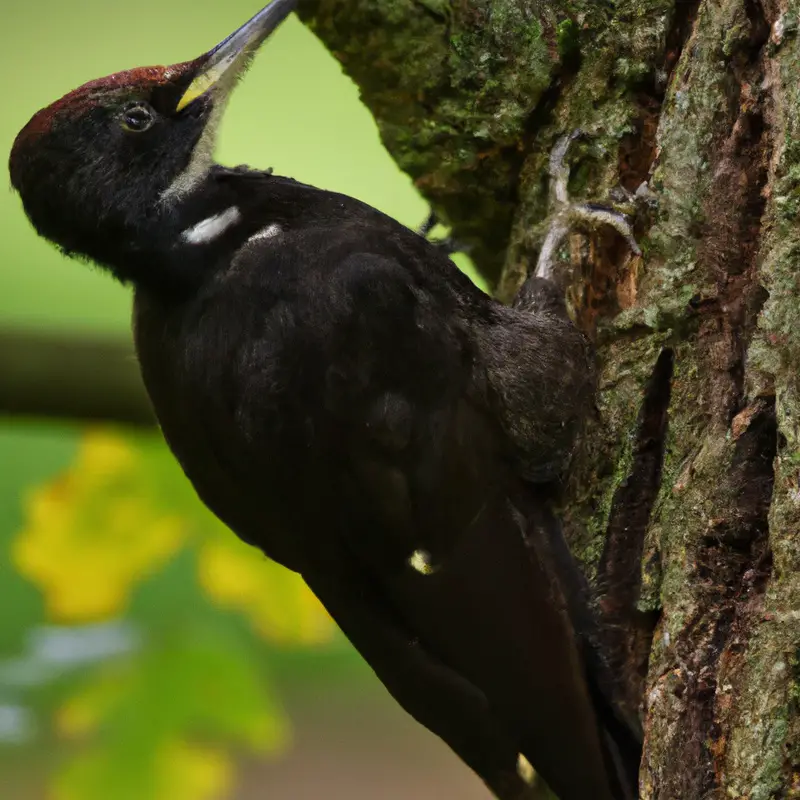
(144, 653)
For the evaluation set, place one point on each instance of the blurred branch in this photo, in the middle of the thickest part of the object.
(65, 376)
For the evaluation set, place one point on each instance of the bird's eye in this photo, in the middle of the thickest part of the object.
(138, 117)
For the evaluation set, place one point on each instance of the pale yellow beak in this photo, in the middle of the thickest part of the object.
(231, 56)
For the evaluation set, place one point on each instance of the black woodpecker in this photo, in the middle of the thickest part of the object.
(349, 403)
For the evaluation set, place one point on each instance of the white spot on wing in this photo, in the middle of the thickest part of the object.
(209, 229)
(525, 770)
(270, 232)
(420, 560)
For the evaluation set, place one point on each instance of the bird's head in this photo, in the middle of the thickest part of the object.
(96, 168)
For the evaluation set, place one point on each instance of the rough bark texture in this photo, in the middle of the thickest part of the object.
(683, 502)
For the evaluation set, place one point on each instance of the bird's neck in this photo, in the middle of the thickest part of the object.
(174, 249)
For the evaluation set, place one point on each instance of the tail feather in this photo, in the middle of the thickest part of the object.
(621, 735)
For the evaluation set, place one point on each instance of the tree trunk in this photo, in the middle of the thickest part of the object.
(683, 503)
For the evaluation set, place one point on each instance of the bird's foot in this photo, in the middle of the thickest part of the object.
(566, 214)
(448, 245)
(431, 221)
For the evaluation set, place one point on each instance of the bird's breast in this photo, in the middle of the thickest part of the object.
(206, 373)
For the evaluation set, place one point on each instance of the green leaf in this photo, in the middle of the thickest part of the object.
(158, 723)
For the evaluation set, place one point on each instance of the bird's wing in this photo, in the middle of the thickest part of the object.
(478, 598)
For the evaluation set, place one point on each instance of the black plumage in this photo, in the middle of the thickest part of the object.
(348, 402)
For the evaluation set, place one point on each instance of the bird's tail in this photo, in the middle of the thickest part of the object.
(621, 735)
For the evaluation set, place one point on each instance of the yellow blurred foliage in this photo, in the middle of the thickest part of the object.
(180, 771)
(190, 772)
(278, 603)
(214, 684)
(159, 724)
(119, 513)
(91, 534)
(82, 713)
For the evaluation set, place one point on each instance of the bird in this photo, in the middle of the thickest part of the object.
(347, 401)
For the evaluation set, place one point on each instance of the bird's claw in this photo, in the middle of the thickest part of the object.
(431, 221)
(565, 214)
(448, 245)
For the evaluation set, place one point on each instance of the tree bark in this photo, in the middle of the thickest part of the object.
(683, 502)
